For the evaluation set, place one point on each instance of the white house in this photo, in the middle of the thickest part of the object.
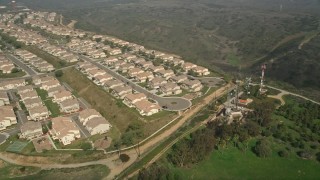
(64, 129)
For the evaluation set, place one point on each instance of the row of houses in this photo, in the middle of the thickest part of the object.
(117, 88)
(33, 103)
(24, 36)
(44, 22)
(94, 122)
(6, 66)
(157, 77)
(64, 98)
(12, 84)
(59, 52)
(7, 117)
(34, 60)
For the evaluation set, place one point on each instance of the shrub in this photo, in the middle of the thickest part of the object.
(262, 148)
(58, 73)
(124, 158)
(283, 153)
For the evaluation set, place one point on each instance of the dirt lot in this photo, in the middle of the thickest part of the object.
(102, 143)
(41, 144)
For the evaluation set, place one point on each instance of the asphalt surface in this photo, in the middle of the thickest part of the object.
(168, 103)
(22, 117)
(209, 81)
(84, 132)
(27, 69)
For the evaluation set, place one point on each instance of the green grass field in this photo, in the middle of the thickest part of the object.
(52, 106)
(234, 164)
(13, 75)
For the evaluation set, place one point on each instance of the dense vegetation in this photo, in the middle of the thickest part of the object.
(223, 33)
(289, 132)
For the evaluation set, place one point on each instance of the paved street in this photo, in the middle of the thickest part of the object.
(171, 103)
(27, 69)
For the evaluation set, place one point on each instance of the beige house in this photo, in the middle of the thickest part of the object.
(87, 114)
(178, 79)
(121, 91)
(38, 113)
(131, 99)
(39, 80)
(146, 108)
(55, 90)
(201, 71)
(29, 95)
(12, 84)
(4, 99)
(157, 82)
(7, 117)
(192, 85)
(31, 103)
(125, 67)
(98, 125)
(62, 95)
(50, 84)
(69, 106)
(96, 72)
(102, 79)
(64, 129)
(134, 71)
(113, 83)
(145, 64)
(110, 60)
(24, 89)
(170, 89)
(30, 130)
(155, 69)
(143, 77)
(165, 73)
(188, 66)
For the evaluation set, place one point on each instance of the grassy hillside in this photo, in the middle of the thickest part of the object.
(228, 34)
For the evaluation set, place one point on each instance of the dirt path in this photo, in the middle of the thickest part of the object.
(186, 116)
(308, 39)
(279, 97)
(112, 160)
(72, 23)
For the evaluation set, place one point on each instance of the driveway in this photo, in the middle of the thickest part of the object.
(170, 103)
(22, 117)
(84, 132)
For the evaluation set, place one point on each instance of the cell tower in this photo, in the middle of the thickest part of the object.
(13, 5)
(263, 68)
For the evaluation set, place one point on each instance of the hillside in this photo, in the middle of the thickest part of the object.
(228, 34)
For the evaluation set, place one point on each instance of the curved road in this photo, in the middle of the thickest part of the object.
(171, 103)
(284, 92)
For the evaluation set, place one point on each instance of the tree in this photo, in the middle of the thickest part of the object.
(58, 73)
(262, 148)
(124, 158)
(283, 153)
(14, 70)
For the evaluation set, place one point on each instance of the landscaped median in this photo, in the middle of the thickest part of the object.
(52, 106)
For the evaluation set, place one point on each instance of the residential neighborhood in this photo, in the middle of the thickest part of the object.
(42, 106)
